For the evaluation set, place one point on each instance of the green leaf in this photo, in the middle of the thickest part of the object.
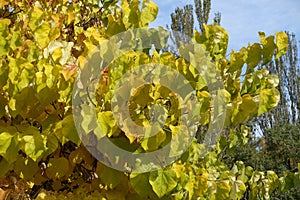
(273, 180)
(45, 94)
(153, 143)
(4, 47)
(89, 119)
(52, 144)
(142, 96)
(5, 166)
(59, 50)
(107, 123)
(9, 146)
(36, 16)
(223, 189)
(245, 110)
(107, 3)
(180, 140)
(115, 28)
(69, 130)
(140, 184)
(163, 181)
(3, 103)
(26, 168)
(215, 38)
(131, 11)
(5, 141)
(282, 42)
(42, 35)
(27, 103)
(3, 26)
(3, 74)
(238, 190)
(26, 76)
(57, 167)
(106, 174)
(15, 40)
(34, 143)
(236, 63)
(33, 52)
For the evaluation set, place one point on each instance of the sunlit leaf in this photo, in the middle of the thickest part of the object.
(149, 12)
(107, 123)
(42, 35)
(268, 47)
(36, 17)
(223, 189)
(9, 146)
(254, 57)
(163, 181)
(269, 98)
(34, 144)
(281, 43)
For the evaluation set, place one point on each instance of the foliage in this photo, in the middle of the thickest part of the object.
(43, 44)
(288, 69)
(278, 146)
(277, 150)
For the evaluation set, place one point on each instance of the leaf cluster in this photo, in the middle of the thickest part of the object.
(42, 49)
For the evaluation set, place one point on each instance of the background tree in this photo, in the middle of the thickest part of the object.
(183, 23)
(202, 10)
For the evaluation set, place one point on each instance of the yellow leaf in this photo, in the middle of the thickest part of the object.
(42, 35)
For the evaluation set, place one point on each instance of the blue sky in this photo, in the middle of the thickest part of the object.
(243, 19)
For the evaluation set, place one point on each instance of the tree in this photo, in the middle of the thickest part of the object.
(44, 80)
(182, 23)
(182, 20)
(202, 9)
